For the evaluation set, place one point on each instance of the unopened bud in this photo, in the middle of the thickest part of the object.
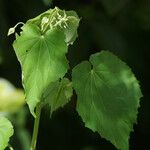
(11, 31)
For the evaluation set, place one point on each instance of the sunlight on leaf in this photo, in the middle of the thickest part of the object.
(41, 50)
(108, 97)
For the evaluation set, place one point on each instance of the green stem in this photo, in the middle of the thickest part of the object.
(36, 127)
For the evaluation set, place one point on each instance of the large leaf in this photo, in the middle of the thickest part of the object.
(41, 50)
(58, 94)
(108, 97)
(42, 58)
(6, 131)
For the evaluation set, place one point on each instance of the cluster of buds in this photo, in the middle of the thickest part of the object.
(54, 21)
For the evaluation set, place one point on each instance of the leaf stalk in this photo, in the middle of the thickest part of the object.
(36, 127)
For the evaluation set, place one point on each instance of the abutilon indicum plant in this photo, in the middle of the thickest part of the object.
(108, 93)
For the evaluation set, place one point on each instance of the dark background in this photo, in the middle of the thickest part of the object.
(121, 26)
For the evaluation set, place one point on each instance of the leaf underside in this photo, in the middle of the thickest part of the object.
(108, 97)
(6, 131)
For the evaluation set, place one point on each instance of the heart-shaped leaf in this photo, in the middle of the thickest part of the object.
(108, 97)
(41, 49)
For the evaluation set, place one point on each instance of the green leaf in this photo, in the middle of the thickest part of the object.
(42, 58)
(108, 97)
(72, 25)
(41, 49)
(6, 131)
(67, 21)
(58, 94)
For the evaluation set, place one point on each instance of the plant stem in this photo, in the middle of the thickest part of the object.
(36, 127)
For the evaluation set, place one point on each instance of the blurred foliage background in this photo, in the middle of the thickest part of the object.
(121, 26)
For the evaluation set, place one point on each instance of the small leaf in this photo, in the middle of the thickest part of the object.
(71, 28)
(58, 94)
(108, 97)
(6, 131)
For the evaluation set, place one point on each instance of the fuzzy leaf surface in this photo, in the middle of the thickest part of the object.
(108, 97)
